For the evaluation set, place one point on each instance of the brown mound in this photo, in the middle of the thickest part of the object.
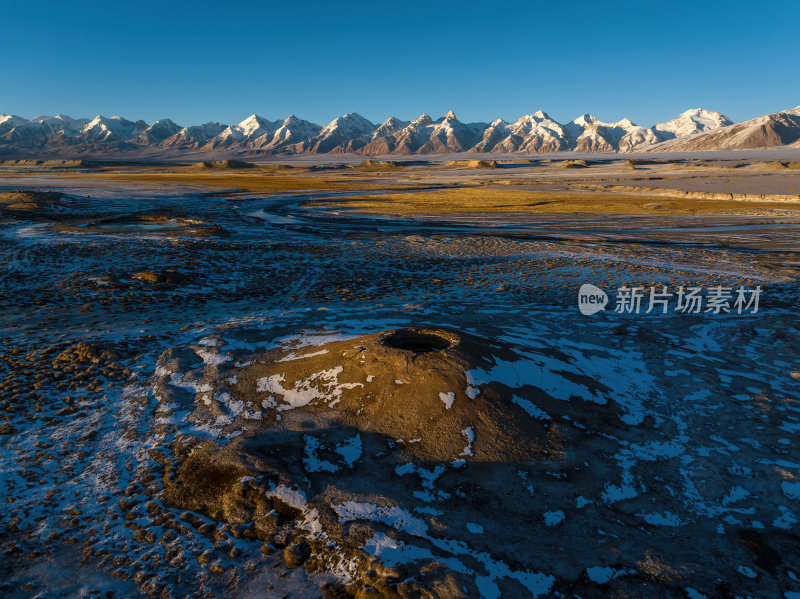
(473, 164)
(68, 163)
(778, 165)
(61, 163)
(391, 385)
(170, 277)
(399, 385)
(28, 200)
(379, 165)
(574, 164)
(224, 164)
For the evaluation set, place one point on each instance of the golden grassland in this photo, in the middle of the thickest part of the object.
(402, 190)
(477, 199)
(277, 179)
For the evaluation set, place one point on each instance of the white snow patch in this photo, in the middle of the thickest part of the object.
(469, 435)
(211, 358)
(294, 356)
(393, 516)
(448, 399)
(321, 385)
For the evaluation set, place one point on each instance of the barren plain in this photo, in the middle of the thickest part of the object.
(372, 379)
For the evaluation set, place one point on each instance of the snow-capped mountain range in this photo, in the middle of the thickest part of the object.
(695, 129)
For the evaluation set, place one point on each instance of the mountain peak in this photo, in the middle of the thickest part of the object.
(423, 119)
(351, 123)
(354, 116)
(450, 115)
(696, 111)
(692, 121)
(251, 120)
(586, 119)
(256, 126)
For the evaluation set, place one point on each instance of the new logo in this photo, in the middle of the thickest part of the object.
(591, 299)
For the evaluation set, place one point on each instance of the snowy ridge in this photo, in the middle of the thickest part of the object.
(693, 121)
(194, 136)
(776, 129)
(694, 129)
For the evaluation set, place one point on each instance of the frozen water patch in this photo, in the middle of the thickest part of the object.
(311, 462)
(614, 493)
(531, 408)
(791, 489)
(554, 518)
(350, 450)
(661, 519)
(603, 574)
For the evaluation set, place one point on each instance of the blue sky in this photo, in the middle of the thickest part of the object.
(199, 61)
